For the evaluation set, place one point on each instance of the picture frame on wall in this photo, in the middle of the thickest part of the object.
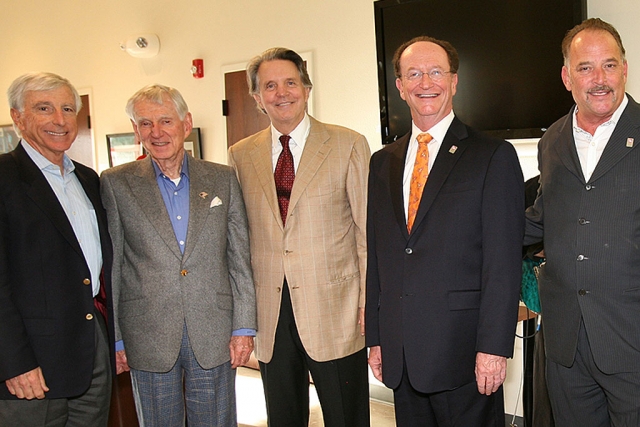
(193, 145)
(123, 148)
(8, 138)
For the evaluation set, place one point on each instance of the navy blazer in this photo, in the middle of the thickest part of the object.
(591, 231)
(449, 289)
(44, 301)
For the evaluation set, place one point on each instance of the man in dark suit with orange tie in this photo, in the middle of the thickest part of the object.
(54, 250)
(444, 263)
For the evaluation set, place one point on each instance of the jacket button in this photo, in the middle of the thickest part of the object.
(184, 272)
(581, 258)
(278, 290)
(408, 251)
(86, 281)
(588, 187)
(582, 292)
(89, 316)
(583, 221)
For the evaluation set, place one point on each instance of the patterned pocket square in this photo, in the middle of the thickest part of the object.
(215, 202)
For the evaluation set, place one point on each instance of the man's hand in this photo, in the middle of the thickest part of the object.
(361, 320)
(121, 362)
(491, 370)
(240, 348)
(375, 361)
(29, 385)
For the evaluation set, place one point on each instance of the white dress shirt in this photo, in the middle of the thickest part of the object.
(77, 206)
(437, 132)
(296, 143)
(590, 147)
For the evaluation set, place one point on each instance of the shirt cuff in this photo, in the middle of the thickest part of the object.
(244, 332)
(119, 345)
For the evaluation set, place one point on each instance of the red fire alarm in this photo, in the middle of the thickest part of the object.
(198, 68)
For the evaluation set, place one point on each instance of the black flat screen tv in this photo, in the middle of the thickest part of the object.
(509, 81)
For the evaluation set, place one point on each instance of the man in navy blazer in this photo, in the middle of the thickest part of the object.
(588, 211)
(442, 298)
(54, 251)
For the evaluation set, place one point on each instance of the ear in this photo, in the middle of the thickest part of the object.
(16, 116)
(188, 124)
(258, 99)
(454, 84)
(566, 79)
(400, 88)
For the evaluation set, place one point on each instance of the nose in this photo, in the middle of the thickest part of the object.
(599, 75)
(425, 80)
(59, 117)
(155, 131)
(282, 90)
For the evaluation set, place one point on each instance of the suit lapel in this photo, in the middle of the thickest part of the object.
(199, 207)
(261, 158)
(40, 192)
(314, 154)
(626, 133)
(145, 187)
(396, 173)
(450, 151)
(565, 146)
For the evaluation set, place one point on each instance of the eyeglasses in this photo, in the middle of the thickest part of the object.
(435, 75)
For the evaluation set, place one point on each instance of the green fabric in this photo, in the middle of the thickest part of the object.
(529, 289)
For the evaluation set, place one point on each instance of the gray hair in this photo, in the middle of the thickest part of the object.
(275, 53)
(37, 82)
(156, 93)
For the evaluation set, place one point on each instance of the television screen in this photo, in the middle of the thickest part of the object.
(509, 81)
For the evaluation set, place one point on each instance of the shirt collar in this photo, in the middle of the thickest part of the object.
(184, 170)
(298, 135)
(612, 121)
(437, 132)
(43, 163)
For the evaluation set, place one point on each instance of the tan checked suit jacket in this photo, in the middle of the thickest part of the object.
(322, 249)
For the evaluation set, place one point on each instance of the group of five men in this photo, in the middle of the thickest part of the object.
(426, 255)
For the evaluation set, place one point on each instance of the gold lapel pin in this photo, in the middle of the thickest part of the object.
(629, 142)
(453, 149)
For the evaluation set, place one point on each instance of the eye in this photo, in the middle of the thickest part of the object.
(270, 86)
(69, 110)
(611, 67)
(291, 83)
(414, 75)
(436, 74)
(144, 124)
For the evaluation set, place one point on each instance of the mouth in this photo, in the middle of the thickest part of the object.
(427, 95)
(600, 91)
(284, 104)
(52, 133)
(160, 143)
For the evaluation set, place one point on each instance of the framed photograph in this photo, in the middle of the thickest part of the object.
(123, 148)
(8, 138)
(192, 143)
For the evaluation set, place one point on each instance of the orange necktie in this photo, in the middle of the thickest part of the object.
(418, 177)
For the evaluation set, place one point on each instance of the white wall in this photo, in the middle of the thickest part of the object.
(81, 42)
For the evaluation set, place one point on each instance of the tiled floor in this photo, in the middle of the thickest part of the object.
(252, 411)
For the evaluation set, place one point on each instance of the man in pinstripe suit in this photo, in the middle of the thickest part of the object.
(588, 211)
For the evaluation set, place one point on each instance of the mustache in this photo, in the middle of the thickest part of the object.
(602, 88)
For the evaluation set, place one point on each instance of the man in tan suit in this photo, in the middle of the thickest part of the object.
(304, 186)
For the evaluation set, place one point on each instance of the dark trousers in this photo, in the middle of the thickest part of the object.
(582, 395)
(461, 407)
(342, 384)
(89, 409)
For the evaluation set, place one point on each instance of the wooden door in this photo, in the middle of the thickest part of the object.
(243, 117)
